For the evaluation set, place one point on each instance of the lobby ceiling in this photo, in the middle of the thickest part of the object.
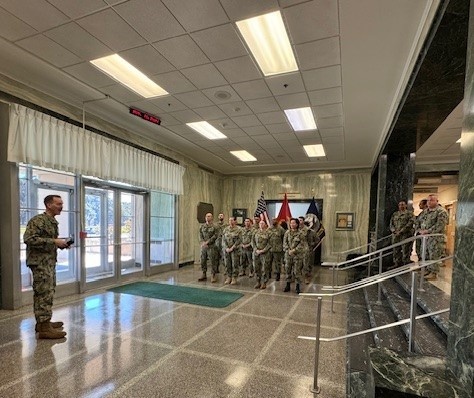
(354, 58)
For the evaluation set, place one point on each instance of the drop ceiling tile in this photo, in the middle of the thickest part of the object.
(255, 130)
(279, 128)
(262, 105)
(210, 112)
(223, 124)
(240, 69)
(293, 101)
(181, 51)
(169, 120)
(246, 121)
(112, 30)
(13, 28)
(244, 142)
(219, 43)
(196, 15)
(289, 3)
(285, 137)
(168, 103)
(45, 48)
(313, 20)
(318, 54)
(173, 82)
(310, 141)
(264, 139)
(292, 81)
(121, 93)
(236, 134)
(331, 132)
(75, 9)
(150, 18)
(243, 9)
(253, 89)
(311, 135)
(322, 78)
(80, 42)
(90, 75)
(326, 96)
(204, 76)
(272, 117)
(221, 95)
(186, 116)
(236, 109)
(38, 13)
(336, 121)
(333, 140)
(328, 110)
(193, 99)
(147, 106)
(147, 60)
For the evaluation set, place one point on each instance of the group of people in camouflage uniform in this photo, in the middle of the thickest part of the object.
(258, 250)
(432, 220)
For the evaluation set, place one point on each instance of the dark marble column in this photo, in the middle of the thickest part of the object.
(461, 337)
(395, 183)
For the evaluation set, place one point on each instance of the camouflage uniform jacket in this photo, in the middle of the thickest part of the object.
(39, 237)
(232, 236)
(276, 238)
(246, 237)
(294, 240)
(435, 220)
(261, 240)
(420, 219)
(208, 233)
(402, 222)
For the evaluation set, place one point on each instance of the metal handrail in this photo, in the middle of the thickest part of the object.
(376, 279)
(363, 246)
(380, 254)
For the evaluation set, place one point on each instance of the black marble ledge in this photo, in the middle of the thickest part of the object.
(418, 375)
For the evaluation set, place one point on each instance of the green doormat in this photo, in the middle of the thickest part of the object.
(183, 294)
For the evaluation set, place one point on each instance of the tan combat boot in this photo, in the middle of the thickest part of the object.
(233, 281)
(213, 278)
(227, 280)
(55, 325)
(46, 331)
(202, 278)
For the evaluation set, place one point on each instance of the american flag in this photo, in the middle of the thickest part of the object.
(262, 210)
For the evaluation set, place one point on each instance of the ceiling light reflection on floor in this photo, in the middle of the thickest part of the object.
(238, 377)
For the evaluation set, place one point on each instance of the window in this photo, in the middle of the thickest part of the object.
(162, 221)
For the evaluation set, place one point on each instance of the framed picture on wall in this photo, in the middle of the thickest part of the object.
(240, 215)
(344, 221)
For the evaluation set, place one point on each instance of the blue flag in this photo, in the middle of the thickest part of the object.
(313, 209)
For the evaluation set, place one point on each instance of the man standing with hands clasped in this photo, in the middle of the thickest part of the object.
(42, 242)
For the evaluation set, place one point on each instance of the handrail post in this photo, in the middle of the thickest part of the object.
(379, 286)
(412, 331)
(315, 389)
(333, 285)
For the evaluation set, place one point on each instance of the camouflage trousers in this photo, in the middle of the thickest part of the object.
(308, 262)
(262, 265)
(277, 262)
(44, 285)
(293, 266)
(232, 263)
(246, 260)
(435, 248)
(208, 254)
(401, 254)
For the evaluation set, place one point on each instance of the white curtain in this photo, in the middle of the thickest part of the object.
(41, 140)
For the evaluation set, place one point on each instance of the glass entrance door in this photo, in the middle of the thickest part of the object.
(114, 223)
(99, 213)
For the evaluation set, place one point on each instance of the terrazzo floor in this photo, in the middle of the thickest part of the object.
(120, 345)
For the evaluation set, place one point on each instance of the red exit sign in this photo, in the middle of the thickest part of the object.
(145, 116)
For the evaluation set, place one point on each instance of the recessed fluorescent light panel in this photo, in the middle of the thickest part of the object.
(244, 156)
(458, 141)
(268, 41)
(125, 73)
(301, 119)
(206, 130)
(314, 151)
